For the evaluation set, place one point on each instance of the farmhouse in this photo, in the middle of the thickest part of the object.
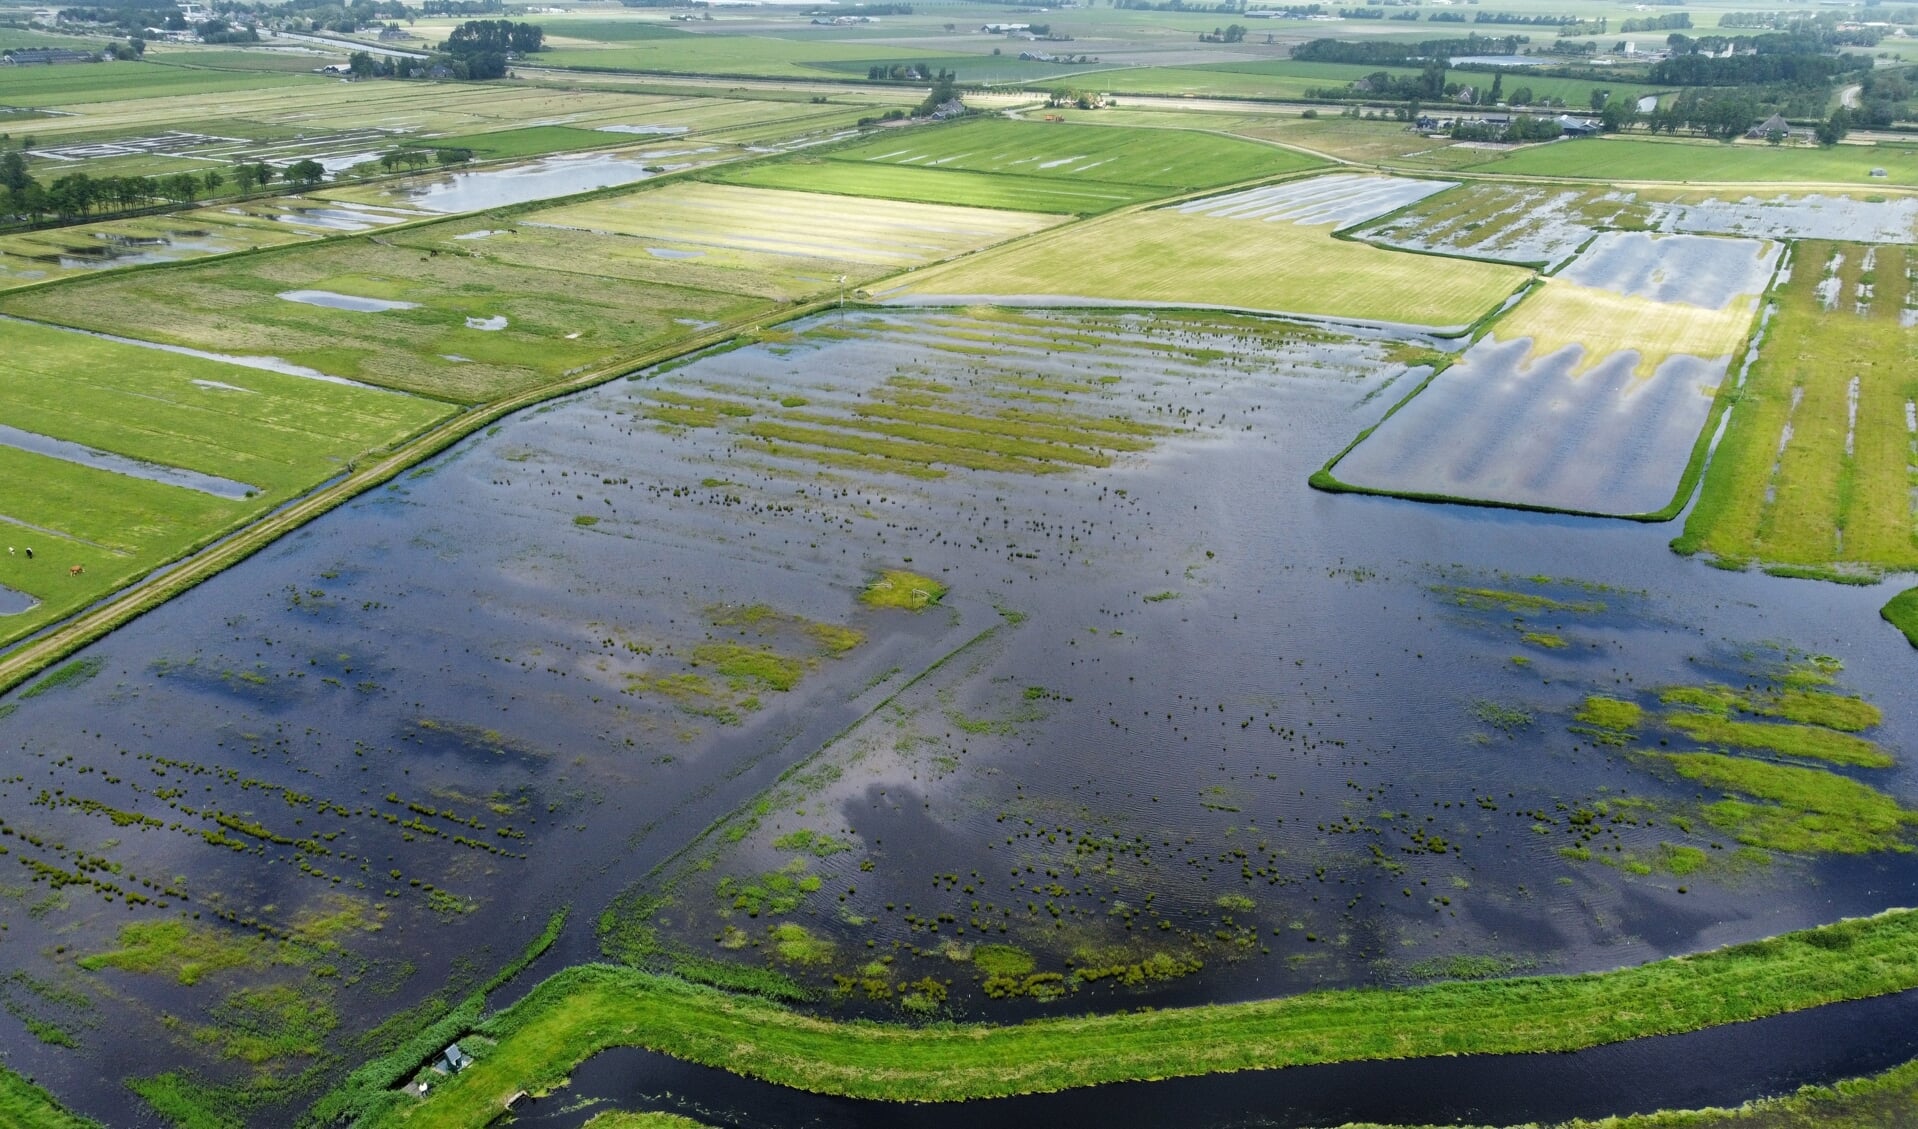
(1774, 124)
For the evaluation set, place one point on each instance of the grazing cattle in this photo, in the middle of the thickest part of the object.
(76, 570)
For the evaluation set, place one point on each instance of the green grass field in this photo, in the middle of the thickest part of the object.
(678, 52)
(1696, 162)
(1076, 154)
(1902, 612)
(1288, 79)
(106, 82)
(585, 1009)
(1832, 494)
(278, 434)
(1162, 256)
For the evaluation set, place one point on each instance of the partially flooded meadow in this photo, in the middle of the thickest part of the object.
(948, 662)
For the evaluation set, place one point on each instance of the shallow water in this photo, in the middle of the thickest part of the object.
(121, 464)
(1224, 661)
(351, 302)
(539, 180)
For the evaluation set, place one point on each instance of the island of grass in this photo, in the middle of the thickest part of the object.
(1902, 612)
(897, 588)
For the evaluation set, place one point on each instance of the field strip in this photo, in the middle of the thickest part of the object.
(34, 655)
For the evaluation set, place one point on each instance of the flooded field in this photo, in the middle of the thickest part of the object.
(921, 664)
(1590, 394)
(1533, 224)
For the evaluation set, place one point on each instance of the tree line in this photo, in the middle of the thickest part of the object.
(78, 195)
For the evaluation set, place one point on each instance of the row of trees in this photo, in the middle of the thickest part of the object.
(78, 195)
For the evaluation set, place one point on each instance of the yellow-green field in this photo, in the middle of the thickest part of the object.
(699, 219)
(1818, 466)
(1562, 313)
(1165, 257)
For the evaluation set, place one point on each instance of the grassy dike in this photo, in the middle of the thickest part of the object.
(24, 1105)
(589, 1008)
(1902, 613)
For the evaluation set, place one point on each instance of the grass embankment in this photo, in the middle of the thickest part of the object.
(1902, 612)
(24, 1105)
(589, 1008)
(1814, 473)
(1166, 257)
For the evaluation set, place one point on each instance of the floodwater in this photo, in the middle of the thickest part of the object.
(121, 464)
(351, 302)
(13, 601)
(538, 180)
(1169, 679)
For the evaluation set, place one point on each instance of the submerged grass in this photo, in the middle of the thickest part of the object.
(588, 1008)
(1801, 810)
(897, 588)
(24, 1105)
(1810, 741)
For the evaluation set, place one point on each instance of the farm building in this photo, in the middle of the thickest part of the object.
(1774, 124)
(47, 56)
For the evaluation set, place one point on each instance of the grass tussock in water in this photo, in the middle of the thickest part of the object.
(1807, 706)
(588, 1008)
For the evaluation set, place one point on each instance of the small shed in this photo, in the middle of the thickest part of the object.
(452, 1060)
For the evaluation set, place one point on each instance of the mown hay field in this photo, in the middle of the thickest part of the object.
(1819, 465)
(278, 434)
(1169, 258)
(695, 218)
(939, 186)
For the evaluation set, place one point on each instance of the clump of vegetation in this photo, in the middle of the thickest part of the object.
(896, 588)
(1610, 721)
(1805, 705)
(814, 843)
(586, 520)
(796, 944)
(1809, 741)
(1469, 966)
(1545, 639)
(746, 667)
(834, 638)
(1002, 960)
(775, 892)
(1509, 719)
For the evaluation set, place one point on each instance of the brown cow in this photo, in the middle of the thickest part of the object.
(76, 570)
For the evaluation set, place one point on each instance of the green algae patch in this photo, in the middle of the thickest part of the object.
(1797, 810)
(1809, 741)
(1902, 612)
(897, 588)
(182, 950)
(1545, 639)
